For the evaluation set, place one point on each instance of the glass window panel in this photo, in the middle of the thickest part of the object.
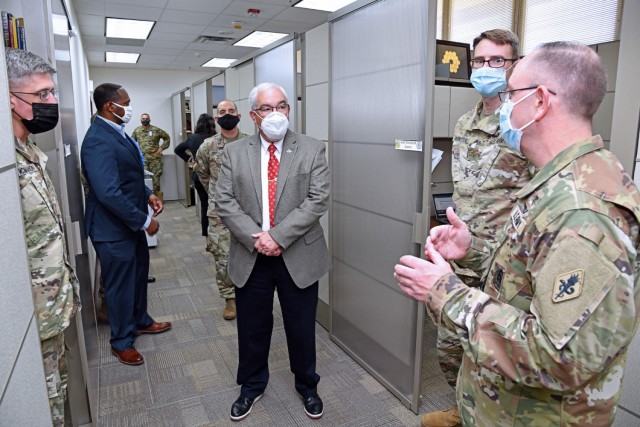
(585, 21)
(471, 17)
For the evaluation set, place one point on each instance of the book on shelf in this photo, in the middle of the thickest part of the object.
(6, 19)
(22, 37)
(13, 31)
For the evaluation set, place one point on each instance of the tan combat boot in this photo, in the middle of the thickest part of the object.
(446, 418)
(229, 309)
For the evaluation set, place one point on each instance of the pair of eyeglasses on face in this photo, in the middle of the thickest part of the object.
(267, 109)
(497, 62)
(43, 94)
(505, 95)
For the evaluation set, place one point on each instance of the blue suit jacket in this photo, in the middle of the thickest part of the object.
(116, 205)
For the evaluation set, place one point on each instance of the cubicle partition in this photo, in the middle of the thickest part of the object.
(378, 190)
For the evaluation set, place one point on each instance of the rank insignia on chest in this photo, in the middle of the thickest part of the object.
(517, 219)
(567, 286)
(150, 133)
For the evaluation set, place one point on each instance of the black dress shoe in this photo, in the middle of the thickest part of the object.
(313, 406)
(151, 279)
(242, 406)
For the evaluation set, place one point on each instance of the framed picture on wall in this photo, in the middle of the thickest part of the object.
(452, 60)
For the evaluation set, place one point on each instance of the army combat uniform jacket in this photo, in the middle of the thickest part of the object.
(486, 174)
(149, 141)
(545, 340)
(53, 283)
(208, 163)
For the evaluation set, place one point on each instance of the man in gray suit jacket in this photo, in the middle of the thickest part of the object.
(272, 190)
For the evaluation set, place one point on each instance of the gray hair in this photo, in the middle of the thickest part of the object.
(22, 64)
(263, 87)
(576, 72)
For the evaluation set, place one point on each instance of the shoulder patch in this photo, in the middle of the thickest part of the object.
(572, 282)
(567, 286)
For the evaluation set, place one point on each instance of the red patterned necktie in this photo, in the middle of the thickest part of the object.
(273, 167)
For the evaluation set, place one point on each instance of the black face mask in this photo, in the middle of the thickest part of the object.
(228, 122)
(45, 118)
(145, 122)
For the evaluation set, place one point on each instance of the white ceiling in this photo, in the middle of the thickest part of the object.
(179, 22)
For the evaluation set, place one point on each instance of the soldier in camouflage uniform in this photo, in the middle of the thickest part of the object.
(53, 283)
(486, 174)
(208, 163)
(148, 138)
(545, 340)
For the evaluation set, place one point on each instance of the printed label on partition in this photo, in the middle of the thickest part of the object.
(408, 145)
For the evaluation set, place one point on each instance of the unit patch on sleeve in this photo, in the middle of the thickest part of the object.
(567, 286)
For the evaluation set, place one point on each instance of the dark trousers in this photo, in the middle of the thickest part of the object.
(254, 304)
(203, 194)
(125, 269)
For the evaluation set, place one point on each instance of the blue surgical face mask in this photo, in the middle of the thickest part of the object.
(510, 135)
(489, 81)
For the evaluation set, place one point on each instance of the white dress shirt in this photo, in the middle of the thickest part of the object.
(264, 176)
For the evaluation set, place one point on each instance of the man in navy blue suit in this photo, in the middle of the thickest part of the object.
(116, 217)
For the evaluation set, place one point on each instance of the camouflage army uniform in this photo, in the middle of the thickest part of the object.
(53, 283)
(486, 175)
(149, 142)
(208, 163)
(545, 341)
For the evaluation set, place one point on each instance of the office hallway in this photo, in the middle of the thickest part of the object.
(188, 378)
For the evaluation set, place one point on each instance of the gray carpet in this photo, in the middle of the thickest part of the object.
(188, 378)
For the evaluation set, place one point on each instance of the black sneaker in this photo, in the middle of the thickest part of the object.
(242, 406)
(313, 406)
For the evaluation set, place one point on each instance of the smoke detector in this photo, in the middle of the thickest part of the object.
(237, 24)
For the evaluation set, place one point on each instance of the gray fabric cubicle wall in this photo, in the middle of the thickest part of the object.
(377, 191)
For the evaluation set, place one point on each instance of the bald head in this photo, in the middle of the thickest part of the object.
(574, 71)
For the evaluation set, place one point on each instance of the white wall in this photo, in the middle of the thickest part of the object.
(150, 92)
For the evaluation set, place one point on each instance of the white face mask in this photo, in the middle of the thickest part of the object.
(275, 126)
(128, 112)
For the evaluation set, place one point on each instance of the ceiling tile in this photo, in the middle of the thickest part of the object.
(240, 7)
(115, 10)
(150, 3)
(164, 44)
(226, 21)
(91, 31)
(171, 27)
(178, 37)
(199, 5)
(187, 17)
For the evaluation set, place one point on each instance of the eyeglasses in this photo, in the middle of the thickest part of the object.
(267, 109)
(505, 95)
(493, 62)
(43, 94)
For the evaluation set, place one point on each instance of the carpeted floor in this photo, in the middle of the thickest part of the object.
(188, 378)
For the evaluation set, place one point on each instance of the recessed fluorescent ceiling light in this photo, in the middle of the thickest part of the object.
(326, 5)
(129, 58)
(128, 28)
(259, 39)
(219, 62)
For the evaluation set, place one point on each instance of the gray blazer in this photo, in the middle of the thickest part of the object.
(302, 197)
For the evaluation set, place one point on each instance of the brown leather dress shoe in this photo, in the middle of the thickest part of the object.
(155, 328)
(129, 356)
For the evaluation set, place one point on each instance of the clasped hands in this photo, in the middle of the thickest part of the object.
(266, 245)
(417, 276)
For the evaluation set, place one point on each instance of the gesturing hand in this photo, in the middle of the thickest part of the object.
(451, 241)
(417, 276)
